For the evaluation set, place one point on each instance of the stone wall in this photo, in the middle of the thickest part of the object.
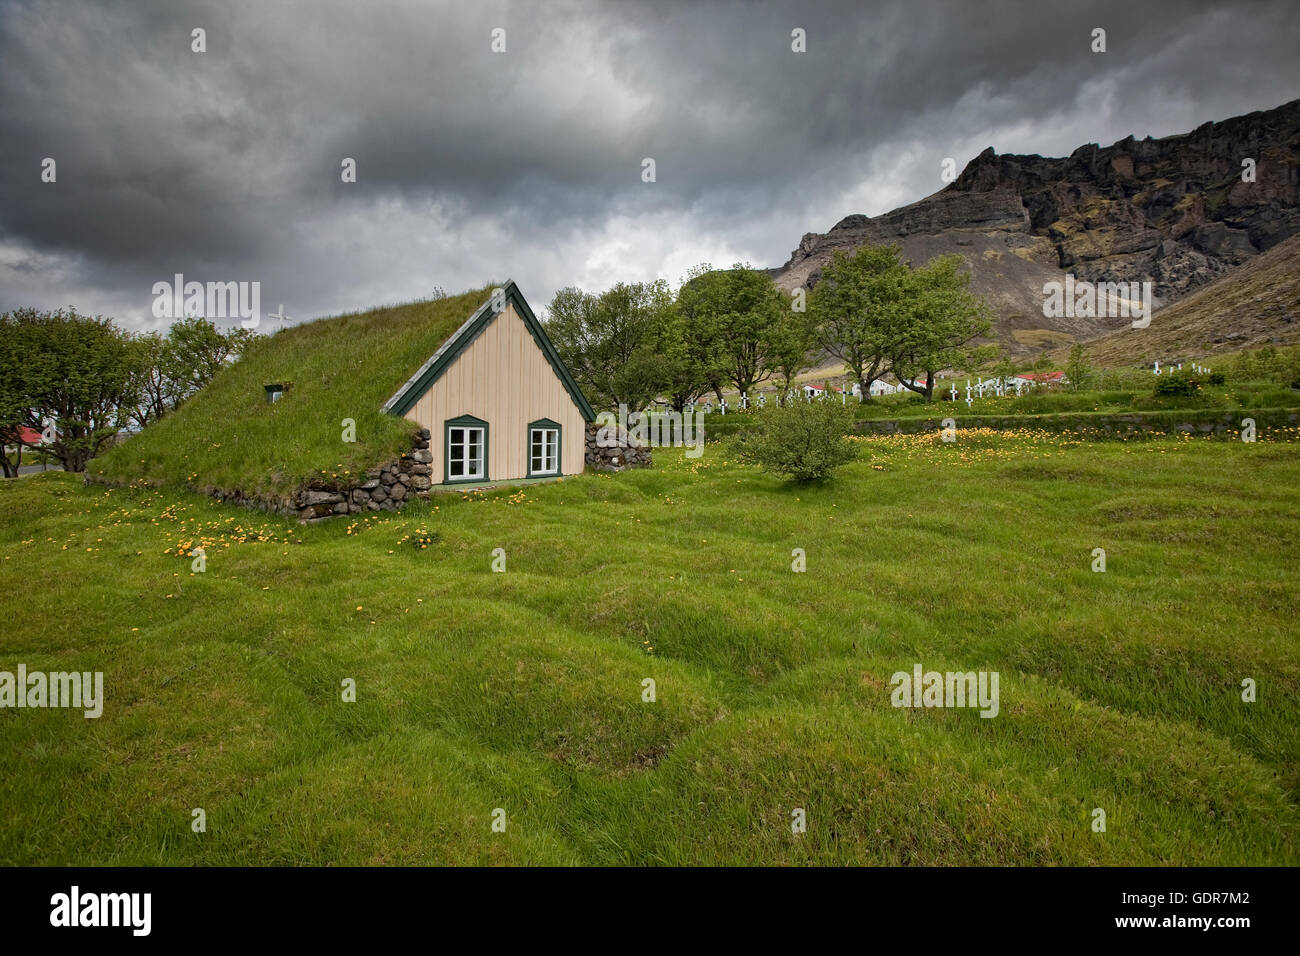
(386, 488)
(624, 452)
(391, 485)
(1116, 425)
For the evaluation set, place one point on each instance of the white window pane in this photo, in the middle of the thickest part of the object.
(543, 448)
(465, 452)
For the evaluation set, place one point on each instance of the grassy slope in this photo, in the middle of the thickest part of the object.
(1259, 302)
(230, 437)
(522, 690)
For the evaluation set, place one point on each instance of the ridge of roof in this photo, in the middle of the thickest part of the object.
(410, 392)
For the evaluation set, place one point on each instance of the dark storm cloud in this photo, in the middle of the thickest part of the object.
(474, 165)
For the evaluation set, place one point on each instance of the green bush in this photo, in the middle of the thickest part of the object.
(802, 440)
(1177, 383)
(1277, 366)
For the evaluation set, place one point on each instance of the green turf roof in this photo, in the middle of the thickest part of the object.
(230, 437)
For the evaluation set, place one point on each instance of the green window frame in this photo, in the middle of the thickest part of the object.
(465, 438)
(539, 451)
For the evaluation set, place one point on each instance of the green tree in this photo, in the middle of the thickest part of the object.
(17, 348)
(156, 390)
(177, 365)
(611, 341)
(1078, 373)
(937, 325)
(751, 315)
(197, 350)
(694, 358)
(81, 374)
(855, 308)
(791, 343)
(733, 314)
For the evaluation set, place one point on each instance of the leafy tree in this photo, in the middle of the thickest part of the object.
(17, 346)
(1078, 372)
(611, 341)
(791, 343)
(179, 364)
(803, 441)
(731, 315)
(855, 307)
(197, 350)
(156, 388)
(81, 373)
(693, 357)
(751, 313)
(937, 324)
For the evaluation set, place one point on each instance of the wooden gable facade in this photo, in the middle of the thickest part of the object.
(497, 399)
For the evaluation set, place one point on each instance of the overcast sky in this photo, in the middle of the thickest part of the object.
(475, 166)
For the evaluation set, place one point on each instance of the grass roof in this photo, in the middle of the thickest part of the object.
(230, 437)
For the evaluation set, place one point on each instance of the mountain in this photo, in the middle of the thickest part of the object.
(1254, 305)
(1173, 211)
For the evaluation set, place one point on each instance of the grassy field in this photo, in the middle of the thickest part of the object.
(523, 690)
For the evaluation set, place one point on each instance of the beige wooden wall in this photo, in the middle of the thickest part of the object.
(504, 379)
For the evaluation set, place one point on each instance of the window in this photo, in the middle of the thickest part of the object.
(543, 448)
(466, 458)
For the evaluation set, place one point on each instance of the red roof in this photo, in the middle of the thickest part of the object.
(1042, 376)
(23, 434)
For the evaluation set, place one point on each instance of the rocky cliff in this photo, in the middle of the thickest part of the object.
(1254, 305)
(1173, 211)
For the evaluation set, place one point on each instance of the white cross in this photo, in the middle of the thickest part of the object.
(280, 315)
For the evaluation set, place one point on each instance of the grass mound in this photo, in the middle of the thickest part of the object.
(523, 691)
(230, 437)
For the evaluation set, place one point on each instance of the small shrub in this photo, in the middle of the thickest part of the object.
(1177, 383)
(802, 440)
